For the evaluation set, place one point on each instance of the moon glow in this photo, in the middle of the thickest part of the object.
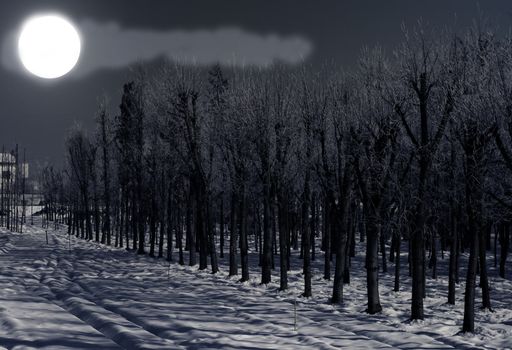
(49, 46)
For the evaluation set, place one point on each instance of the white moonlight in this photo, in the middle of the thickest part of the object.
(49, 46)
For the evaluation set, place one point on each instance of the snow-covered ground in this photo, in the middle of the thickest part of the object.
(96, 297)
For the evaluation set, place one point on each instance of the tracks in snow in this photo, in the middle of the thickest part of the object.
(130, 301)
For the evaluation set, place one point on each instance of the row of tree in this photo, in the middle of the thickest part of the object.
(413, 147)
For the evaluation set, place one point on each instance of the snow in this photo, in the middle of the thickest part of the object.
(97, 297)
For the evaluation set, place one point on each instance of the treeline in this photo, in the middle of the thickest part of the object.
(414, 146)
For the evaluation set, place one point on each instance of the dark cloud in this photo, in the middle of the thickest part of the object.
(110, 46)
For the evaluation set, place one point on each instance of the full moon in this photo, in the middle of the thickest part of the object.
(49, 46)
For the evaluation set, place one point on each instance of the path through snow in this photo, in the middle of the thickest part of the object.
(94, 297)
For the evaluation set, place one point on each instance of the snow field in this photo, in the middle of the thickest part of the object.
(97, 297)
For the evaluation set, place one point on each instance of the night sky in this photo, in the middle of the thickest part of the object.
(116, 34)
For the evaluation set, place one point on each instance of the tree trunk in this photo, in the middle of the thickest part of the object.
(244, 254)
(211, 241)
(504, 245)
(190, 235)
(372, 264)
(141, 215)
(382, 241)
(398, 243)
(350, 239)
(306, 239)
(484, 281)
(417, 250)
(469, 298)
(283, 250)
(453, 264)
(221, 228)
(339, 269)
(233, 264)
(433, 258)
(169, 227)
(327, 238)
(313, 227)
(179, 235)
(152, 226)
(200, 224)
(267, 239)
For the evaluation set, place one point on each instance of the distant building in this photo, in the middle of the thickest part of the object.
(10, 170)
